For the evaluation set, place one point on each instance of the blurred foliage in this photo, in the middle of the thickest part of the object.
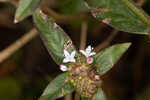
(70, 7)
(56, 42)
(10, 88)
(123, 15)
(26, 78)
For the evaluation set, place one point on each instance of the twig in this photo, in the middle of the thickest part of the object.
(107, 41)
(77, 96)
(59, 18)
(140, 2)
(14, 2)
(83, 35)
(6, 53)
(68, 96)
(98, 29)
(4, 0)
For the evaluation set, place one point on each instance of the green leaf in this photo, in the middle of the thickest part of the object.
(53, 36)
(106, 58)
(73, 7)
(99, 95)
(123, 15)
(57, 88)
(26, 8)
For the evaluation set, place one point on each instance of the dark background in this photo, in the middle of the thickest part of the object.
(25, 74)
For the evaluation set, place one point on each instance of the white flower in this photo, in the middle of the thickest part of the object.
(88, 52)
(69, 57)
(63, 68)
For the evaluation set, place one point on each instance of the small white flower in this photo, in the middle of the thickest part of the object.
(69, 57)
(63, 68)
(88, 52)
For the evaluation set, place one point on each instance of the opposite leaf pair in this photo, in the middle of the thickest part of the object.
(81, 76)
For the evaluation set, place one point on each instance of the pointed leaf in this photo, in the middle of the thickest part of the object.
(99, 95)
(26, 8)
(106, 58)
(57, 88)
(55, 39)
(123, 15)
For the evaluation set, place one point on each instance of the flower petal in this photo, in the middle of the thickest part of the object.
(72, 60)
(65, 60)
(92, 53)
(73, 54)
(84, 53)
(88, 49)
(66, 53)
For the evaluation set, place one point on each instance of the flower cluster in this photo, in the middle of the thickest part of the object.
(71, 57)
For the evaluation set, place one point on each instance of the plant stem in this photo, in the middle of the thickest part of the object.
(140, 2)
(4, 0)
(68, 96)
(107, 41)
(98, 29)
(6, 53)
(14, 2)
(83, 35)
(59, 18)
(77, 96)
